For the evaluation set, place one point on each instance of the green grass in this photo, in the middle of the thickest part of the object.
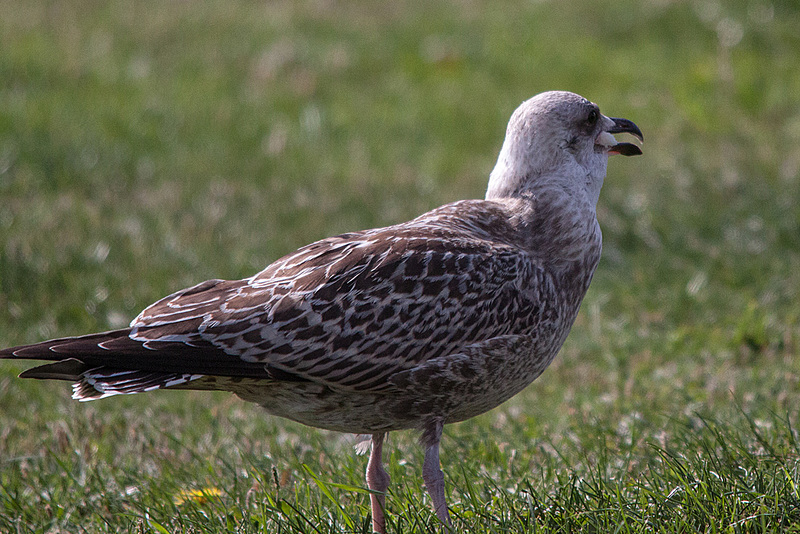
(147, 146)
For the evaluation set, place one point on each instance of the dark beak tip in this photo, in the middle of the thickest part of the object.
(626, 126)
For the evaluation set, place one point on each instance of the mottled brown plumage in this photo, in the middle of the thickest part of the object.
(415, 325)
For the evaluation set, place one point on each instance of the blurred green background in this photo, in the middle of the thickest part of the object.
(147, 146)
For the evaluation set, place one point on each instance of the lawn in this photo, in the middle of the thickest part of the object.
(147, 146)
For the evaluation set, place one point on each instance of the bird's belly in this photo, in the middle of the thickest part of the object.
(322, 407)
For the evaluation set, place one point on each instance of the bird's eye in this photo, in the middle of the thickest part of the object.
(593, 116)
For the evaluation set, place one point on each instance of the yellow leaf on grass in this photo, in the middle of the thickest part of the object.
(200, 496)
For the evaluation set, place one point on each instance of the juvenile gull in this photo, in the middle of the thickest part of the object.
(412, 326)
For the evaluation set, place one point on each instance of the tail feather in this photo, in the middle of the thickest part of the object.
(101, 383)
(112, 363)
(69, 369)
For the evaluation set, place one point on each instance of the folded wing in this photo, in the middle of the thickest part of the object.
(348, 312)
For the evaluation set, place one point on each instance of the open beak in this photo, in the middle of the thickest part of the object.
(621, 126)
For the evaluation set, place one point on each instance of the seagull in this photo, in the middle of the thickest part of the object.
(411, 326)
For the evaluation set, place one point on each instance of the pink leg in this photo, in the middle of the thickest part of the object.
(432, 473)
(378, 481)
